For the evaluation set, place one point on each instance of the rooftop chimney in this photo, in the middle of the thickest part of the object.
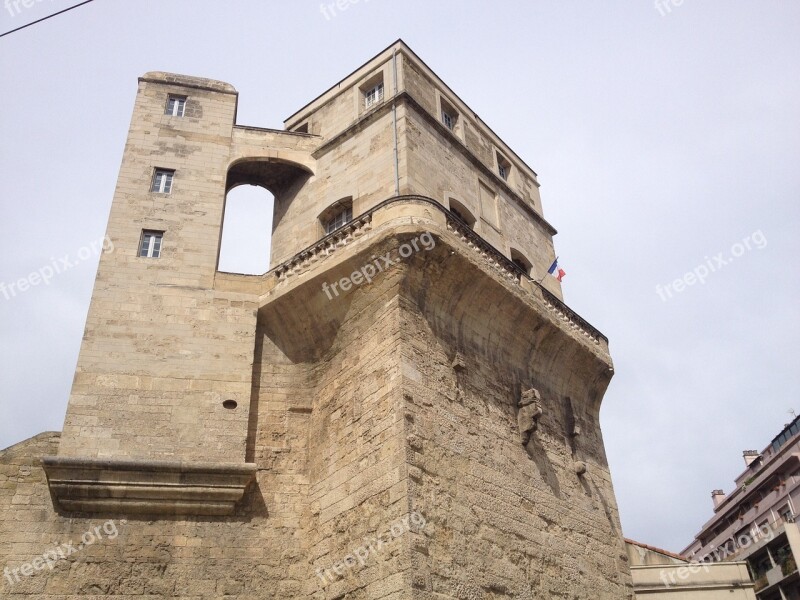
(750, 456)
(717, 496)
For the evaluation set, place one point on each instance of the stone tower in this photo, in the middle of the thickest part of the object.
(401, 407)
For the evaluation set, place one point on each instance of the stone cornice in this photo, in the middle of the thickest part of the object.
(94, 485)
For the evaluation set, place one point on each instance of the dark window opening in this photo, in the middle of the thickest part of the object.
(462, 212)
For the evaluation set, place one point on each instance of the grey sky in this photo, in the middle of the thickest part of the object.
(659, 140)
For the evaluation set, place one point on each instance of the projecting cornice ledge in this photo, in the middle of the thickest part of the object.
(94, 485)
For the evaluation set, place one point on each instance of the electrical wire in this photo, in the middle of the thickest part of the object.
(45, 18)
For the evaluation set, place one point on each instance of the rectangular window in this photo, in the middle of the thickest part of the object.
(503, 166)
(448, 120)
(176, 106)
(162, 181)
(449, 114)
(373, 95)
(150, 246)
(339, 219)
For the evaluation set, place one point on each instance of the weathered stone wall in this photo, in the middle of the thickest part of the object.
(476, 137)
(254, 555)
(360, 418)
(512, 227)
(359, 165)
(505, 522)
(162, 350)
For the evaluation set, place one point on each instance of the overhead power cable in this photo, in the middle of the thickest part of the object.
(61, 12)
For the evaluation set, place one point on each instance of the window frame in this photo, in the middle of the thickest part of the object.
(339, 219)
(336, 216)
(155, 242)
(448, 120)
(179, 106)
(374, 95)
(448, 112)
(162, 181)
(504, 167)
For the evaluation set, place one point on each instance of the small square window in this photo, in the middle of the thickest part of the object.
(176, 106)
(162, 181)
(339, 219)
(150, 246)
(373, 95)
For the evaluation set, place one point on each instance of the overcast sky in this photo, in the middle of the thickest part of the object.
(666, 140)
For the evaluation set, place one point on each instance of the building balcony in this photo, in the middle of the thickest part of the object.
(781, 575)
(764, 588)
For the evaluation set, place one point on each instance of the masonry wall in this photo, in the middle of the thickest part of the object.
(161, 349)
(506, 522)
(255, 555)
(358, 165)
(502, 221)
(359, 420)
(469, 131)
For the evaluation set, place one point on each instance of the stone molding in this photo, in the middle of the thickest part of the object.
(95, 485)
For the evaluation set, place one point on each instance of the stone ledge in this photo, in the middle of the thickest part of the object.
(146, 486)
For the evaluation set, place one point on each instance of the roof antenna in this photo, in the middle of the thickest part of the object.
(794, 414)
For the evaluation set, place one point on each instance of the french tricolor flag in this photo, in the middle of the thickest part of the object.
(556, 271)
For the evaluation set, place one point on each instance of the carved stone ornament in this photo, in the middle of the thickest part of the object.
(530, 409)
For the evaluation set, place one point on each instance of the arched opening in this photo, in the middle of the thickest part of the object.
(462, 212)
(523, 263)
(255, 187)
(246, 231)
